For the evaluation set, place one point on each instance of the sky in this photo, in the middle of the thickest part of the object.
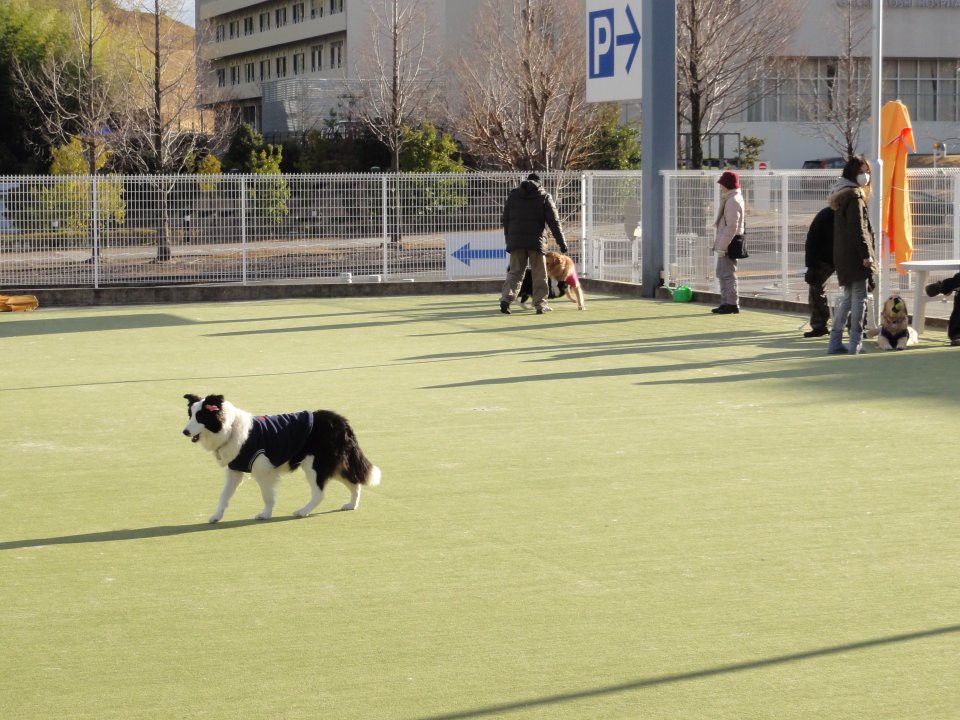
(186, 15)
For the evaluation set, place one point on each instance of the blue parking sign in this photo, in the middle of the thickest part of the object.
(601, 47)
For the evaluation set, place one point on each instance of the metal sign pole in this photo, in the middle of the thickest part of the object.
(659, 108)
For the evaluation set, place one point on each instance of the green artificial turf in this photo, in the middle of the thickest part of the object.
(637, 511)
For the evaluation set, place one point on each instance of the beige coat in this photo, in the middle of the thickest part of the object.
(731, 222)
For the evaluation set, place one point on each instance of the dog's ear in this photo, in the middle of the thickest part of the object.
(191, 398)
(213, 402)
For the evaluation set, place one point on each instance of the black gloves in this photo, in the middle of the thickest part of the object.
(810, 276)
(563, 247)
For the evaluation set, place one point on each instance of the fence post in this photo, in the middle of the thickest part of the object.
(956, 215)
(243, 227)
(784, 235)
(667, 225)
(385, 200)
(96, 230)
(583, 219)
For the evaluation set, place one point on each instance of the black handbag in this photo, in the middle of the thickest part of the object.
(737, 249)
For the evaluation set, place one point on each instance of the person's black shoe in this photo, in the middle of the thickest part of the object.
(933, 289)
(726, 310)
(955, 342)
(504, 307)
(816, 332)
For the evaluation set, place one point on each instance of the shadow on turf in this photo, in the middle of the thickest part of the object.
(139, 321)
(144, 533)
(692, 675)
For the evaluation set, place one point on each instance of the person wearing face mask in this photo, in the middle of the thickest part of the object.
(729, 224)
(853, 253)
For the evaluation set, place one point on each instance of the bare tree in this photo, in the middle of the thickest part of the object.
(523, 104)
(396, 77)
(841, 111)
(724, 47)
(73, 90)
(157, 133)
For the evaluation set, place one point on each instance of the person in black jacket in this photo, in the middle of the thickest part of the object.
(945, 287)
(819, 261)
(529, 210)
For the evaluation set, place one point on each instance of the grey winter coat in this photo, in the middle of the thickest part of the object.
(852, 235)
(529, 210)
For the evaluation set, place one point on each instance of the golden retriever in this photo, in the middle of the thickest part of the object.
(894, 333)
(561, 268)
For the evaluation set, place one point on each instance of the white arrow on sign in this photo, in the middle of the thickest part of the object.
(613, 39)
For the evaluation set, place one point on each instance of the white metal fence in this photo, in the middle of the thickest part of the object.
(134, 230)
(779, 208)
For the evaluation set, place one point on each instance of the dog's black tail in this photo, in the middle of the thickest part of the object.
(335, 436)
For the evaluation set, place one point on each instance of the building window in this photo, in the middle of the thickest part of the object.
(280, 16)
(234, 29)
(264, 70)
(248, 26)
(264, 21)
(249, 115)
(316, 8)
(929, 87)
(281, 66)
(316, 58)
(336, 54)
(220, 32)
(250, 72)
(336, 6)
(234, 74)
(221, 77)
(298, 12)
(299, 64)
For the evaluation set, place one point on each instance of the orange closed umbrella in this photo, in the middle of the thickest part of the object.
(896, 135)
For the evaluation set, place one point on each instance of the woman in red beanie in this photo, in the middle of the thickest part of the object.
(729, 224)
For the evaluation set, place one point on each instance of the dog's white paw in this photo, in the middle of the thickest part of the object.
(265, 515)
(302, 512)
(349, 506)
(215, 517)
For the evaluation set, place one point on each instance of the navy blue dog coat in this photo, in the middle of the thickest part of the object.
(282, 438)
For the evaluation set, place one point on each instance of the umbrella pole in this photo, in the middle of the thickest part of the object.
(876, 200)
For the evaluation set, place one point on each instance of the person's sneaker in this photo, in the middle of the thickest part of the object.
(544, 309)
(817, 332)
(933, 289)
(842, 350)
(504, 307)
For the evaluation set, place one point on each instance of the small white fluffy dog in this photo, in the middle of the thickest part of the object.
(267, 446)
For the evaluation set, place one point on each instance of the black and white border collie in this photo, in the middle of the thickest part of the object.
(267, 446)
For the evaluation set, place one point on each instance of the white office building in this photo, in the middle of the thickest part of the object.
(287, 63)
(921, 68)
(284, 62)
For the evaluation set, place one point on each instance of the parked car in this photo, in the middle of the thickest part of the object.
(824, 164)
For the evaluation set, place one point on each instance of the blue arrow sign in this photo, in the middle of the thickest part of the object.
(465, 254)
(630, 38)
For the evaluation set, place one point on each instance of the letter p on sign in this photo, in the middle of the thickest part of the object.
(602, 50)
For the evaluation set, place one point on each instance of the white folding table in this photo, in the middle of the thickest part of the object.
(922, 269)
